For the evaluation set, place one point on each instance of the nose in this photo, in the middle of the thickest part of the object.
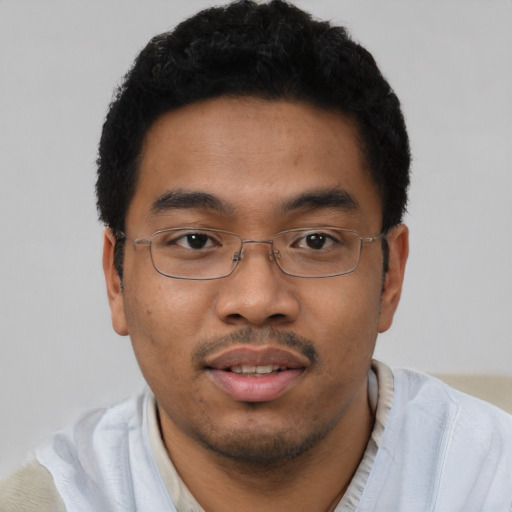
(257, 292)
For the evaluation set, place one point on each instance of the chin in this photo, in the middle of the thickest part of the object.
(262, 447)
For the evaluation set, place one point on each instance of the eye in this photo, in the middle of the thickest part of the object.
(191, 240)
(195, 241)
(315, 241)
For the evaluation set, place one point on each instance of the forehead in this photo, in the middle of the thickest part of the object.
(253, 156)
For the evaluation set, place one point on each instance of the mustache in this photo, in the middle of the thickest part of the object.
(248, 335)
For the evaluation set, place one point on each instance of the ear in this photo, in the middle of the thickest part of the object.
(113, 282)
(398, 242)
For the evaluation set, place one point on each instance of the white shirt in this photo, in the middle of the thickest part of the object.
(432, 449)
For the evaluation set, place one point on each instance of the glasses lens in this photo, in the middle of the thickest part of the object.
(321, 252)
(190, 253)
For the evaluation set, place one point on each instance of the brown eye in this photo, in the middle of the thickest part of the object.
(196, 240)
(316, 240)
(191, 240)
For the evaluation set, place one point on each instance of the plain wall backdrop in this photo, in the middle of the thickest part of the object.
(450, 63)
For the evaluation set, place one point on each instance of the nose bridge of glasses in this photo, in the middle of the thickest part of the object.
(271, 255)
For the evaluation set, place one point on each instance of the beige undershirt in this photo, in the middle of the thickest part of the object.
(30, 489)
(380, 395)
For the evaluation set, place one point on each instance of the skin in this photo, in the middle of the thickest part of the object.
(300, 449)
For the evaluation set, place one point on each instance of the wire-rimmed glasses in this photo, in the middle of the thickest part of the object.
(202, 254)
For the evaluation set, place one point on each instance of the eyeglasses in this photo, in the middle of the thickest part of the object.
(201, 254)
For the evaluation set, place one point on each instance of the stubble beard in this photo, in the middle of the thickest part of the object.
(263, 451)
(260, 449)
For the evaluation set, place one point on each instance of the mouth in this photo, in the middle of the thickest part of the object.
(256, 374)
(257, 371)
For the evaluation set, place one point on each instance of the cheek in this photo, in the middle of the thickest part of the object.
(164, 320)
(162, 311)
(344, 315)
(350, 298)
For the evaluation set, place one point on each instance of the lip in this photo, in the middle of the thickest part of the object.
(257, 356)
(261, 387)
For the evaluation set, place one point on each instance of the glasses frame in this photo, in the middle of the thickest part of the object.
(237, 257)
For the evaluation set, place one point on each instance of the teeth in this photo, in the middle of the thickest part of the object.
(246, 369)
(265, 369)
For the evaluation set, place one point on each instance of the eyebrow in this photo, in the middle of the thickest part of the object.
(180, 199)
(322, 199)
(309, 201)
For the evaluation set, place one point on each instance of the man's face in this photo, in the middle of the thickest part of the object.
(254, 168)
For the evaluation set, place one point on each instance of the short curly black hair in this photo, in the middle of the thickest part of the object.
(267, 50)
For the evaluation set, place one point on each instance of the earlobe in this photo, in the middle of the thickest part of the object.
(113, 282)
(398, 242)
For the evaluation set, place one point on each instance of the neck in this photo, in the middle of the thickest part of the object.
(314, 481)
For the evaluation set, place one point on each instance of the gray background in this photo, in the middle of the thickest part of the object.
(450, 63)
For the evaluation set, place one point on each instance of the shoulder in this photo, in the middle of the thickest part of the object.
(104, 461)
(98, 439)
(425, 394)
(434, 408)
(461, 444)
(88, 465)
(30, 489)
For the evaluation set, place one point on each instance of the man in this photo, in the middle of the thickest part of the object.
(252, 175)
